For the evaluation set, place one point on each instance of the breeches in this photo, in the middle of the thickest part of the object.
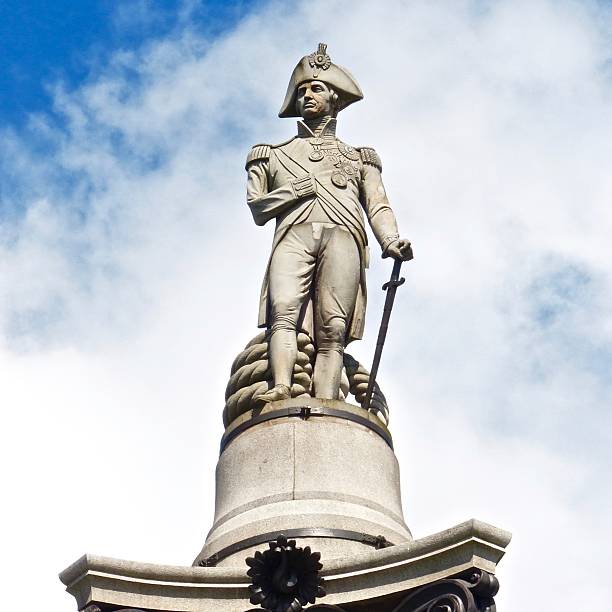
(319, 260)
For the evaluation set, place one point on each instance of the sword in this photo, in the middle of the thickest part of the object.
(391, 288)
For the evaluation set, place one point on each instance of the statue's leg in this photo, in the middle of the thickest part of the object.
(291, 272)
(337, 284)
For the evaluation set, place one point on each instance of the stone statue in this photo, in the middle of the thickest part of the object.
(317, 187)
(308, 488)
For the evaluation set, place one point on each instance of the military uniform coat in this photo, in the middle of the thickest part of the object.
(347, 183)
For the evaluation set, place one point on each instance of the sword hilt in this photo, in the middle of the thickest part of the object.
(395, 280)
(394, 283)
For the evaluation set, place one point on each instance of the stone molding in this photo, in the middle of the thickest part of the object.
(116, 584)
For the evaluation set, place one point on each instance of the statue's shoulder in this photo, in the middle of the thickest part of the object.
(258, 152)
(370, 157)
(261, 152)
(280, 145)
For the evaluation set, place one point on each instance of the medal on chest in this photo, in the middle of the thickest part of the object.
(343, 157)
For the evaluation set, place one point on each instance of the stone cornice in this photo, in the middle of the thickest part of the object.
(103, 580)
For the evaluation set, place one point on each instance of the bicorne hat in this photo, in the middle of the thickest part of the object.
(318, 67)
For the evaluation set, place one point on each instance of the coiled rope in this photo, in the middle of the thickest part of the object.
(251, 375)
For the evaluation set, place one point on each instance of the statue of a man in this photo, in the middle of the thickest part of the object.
(317, 188)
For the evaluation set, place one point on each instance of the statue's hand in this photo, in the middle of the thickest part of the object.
(304, 186)
(400, 249)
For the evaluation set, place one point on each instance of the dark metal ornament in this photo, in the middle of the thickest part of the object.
(94, 608)
(285, 578)
(339, 180)
(472, 592)
(378, 542)
(305, 413)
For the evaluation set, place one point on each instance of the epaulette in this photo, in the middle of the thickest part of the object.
(370, 156)
(257, 153)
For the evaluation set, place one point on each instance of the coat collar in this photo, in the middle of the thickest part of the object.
(309, 131)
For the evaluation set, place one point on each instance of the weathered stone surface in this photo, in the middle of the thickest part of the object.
(113, 583)
(290, 473)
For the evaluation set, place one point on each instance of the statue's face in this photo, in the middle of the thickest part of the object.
(315, 99)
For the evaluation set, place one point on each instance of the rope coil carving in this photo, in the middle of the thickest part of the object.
(251, 375)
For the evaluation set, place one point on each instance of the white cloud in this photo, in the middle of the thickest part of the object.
(130, 273)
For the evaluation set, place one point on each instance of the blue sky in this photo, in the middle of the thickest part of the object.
(42, 42)
(130, 267)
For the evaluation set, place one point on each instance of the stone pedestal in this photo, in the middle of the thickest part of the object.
(320, 471)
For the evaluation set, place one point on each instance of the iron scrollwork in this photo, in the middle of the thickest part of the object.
(471, 592)
(94, 608)
(321, 607)
(285, 578)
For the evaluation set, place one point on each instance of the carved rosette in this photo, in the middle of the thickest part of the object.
(285, 578)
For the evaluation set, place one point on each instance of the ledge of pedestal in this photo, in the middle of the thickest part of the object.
(114, 584)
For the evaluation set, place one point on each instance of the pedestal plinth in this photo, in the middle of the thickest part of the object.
(320, 471)
(323, 473)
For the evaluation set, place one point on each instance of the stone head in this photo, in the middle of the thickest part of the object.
(316, 99)
(334, 85)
